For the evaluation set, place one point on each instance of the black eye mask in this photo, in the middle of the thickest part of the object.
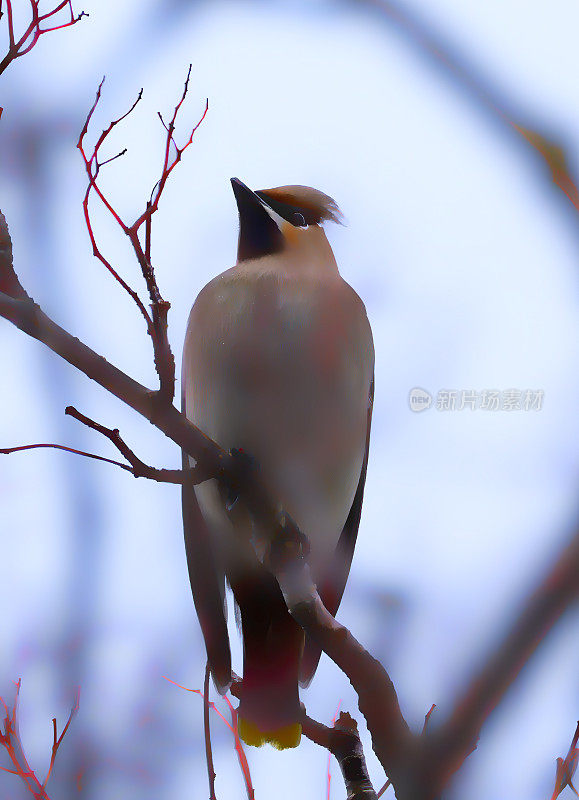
(296, 216)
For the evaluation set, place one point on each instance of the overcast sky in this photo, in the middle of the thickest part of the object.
(466, 259)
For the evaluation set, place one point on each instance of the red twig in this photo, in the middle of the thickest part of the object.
(232, 727)
(57, 740)
(92, 166)
(329, 776)
(427, 717)
(24, 44)
(240, 751)
(208, 754)
(211, 704)
(7, 450)
(10, 740)
(157, 320)
(169, 163)
(136, 467)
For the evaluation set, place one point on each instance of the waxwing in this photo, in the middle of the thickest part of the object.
(278, 363)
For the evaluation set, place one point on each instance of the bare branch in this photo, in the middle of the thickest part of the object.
(7, 450)
(426, 721)
(138, 468)
(208, 754)
(241, 757)
(9, 283)
(392, 740)
(18, 48)
(157, 321)
(92, 167)
(232, 727)
(10, 740)
(57, 740)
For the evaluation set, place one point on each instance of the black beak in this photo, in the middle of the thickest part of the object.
(259, 235)
(243, 193)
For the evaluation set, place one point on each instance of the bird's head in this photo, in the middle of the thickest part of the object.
(269, 219)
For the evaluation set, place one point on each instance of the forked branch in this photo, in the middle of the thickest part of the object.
(10, 740)
(191, 476)
(156, 321)
(40, 23)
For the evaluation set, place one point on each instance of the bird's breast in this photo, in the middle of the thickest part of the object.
(281, 368)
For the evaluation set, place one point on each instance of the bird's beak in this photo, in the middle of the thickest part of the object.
(259, 235)
(246, 199)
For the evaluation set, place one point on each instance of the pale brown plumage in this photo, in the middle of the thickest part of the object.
(279, 361)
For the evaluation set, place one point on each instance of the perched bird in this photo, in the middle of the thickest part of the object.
(278, 362)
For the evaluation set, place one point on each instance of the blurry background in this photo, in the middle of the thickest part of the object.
(466, 257)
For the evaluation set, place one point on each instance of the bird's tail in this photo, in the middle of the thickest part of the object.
(269, 709)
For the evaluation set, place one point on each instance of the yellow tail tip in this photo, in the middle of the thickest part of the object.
(250, 733)
(282, 738)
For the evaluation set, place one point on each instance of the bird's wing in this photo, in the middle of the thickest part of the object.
(207, 584)
(333, 584)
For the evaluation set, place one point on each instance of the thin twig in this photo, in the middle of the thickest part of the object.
(328, 772)
(92, 167)
(10, 740)
(208, 754)
(57, 740)
(157, 327)
(242, 758)
(7, 450)
(232, 727)
(191, 476)
(33, 32)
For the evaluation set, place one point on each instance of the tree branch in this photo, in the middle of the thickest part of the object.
(392, 740)
(343, 742)
(139, 469)
(10, 740)
(207, 730)
(18, 48)
(157, 321)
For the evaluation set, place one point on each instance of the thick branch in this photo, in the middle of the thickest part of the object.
(210, 459)
(9, 283)
(392, 740)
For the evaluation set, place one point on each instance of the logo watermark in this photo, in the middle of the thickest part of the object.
(469, 399)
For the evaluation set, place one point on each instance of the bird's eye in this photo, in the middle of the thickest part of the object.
(299, 220)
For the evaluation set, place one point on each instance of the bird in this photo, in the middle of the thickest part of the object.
(278, 364)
